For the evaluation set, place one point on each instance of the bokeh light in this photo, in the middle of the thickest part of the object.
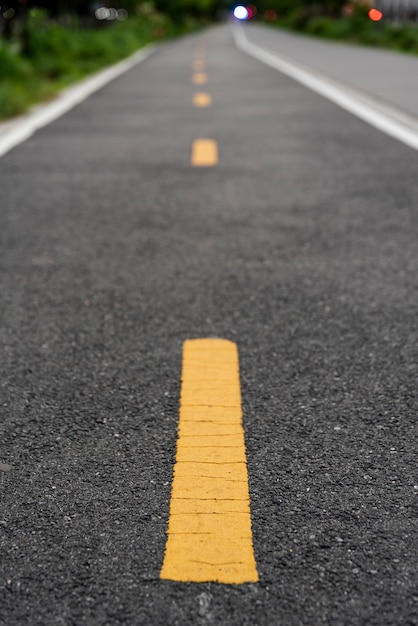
(375, 15)
(240, 13)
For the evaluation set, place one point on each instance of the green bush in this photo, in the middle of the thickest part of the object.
(357, 28)
(12, 66)
(52, 56)
(344, 29)
(321, 26)
(13, 99)
(403, 38)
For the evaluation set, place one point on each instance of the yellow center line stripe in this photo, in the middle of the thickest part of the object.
(204, 153)
(200, 78)
(202, 99)
(209, 535)
(199, 65)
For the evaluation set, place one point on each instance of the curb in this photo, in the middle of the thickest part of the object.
(18, 130)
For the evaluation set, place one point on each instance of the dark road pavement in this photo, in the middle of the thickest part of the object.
(300, 246)
(389, 76)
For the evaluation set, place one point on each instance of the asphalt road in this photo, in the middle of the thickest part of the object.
(392, 77)
(301, 247)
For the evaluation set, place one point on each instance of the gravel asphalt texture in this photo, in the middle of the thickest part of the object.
(301, 246)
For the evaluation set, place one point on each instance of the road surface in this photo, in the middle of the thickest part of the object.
(205, 195)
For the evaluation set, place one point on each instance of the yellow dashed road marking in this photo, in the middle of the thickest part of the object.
(202, 100)
(204, 153)
(209, 530)
(199, 65)
(200, 78)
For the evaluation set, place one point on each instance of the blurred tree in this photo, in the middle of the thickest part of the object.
(285, 7)
(59, 7)
(12, 11)
(173, 8)
(176, 9)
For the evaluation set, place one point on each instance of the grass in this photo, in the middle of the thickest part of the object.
(47, 57)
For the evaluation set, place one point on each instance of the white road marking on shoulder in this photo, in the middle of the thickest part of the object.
(388, 119)
(16, 131)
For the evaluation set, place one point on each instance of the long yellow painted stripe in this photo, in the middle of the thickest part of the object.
(204, 153)
(209, 535)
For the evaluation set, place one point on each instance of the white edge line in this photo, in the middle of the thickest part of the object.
(356, 104)
(19, 130)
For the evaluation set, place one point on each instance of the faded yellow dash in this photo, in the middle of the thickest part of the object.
(202, 100)
(204, 154)
(209, 536)
(200, 78)
(199, 64)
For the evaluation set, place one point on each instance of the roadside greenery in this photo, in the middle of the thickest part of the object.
(47, 56)
(345, 22)
(49, 44)
(402, 37)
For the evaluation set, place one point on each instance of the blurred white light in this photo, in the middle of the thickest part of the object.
(102, 13)
(122, 15)
(113, 14)
(240, 13)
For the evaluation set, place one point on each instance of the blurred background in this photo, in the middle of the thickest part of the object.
(48, 44)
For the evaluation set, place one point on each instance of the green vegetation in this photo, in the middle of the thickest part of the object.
(47, 44)
(335, 19)
(397, 37)
(44, 56)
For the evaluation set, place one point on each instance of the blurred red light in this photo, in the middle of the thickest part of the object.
(375, 15)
